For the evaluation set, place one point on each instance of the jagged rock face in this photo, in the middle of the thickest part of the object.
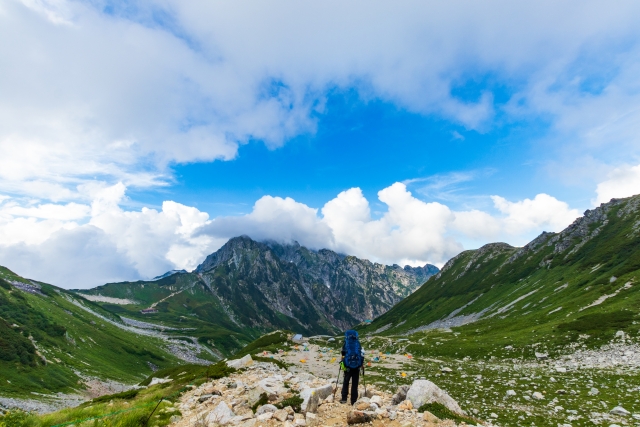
(322, 290)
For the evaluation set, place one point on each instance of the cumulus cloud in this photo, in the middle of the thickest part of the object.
(75, 245)
(275, 218)
(621, 182)
(543, 211)
(410, 231)
(121, 96)
(81, 257)
(134, 244)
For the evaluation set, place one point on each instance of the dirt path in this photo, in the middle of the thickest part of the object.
(323, 362)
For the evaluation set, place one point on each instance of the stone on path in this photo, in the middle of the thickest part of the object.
(265, 416)
(424, 391)
(429, 417)
(222, 414)
(401, 394)
(240, 363)
(266, 408)
(360, 417)
(281, 415)
(311, 397)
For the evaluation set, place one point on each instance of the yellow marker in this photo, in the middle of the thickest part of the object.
(303, 361)
(333, 360)
(404, 374)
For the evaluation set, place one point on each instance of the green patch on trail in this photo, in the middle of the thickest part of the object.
(444, 413)
(125, 395)
(192, 373)
(271, 343)
(294, 401)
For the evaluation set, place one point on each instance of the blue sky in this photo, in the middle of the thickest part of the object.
(369, 144)
(139, 136)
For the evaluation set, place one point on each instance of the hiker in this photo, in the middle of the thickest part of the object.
(351, 363)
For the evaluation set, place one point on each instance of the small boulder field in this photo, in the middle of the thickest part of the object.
(261, 394)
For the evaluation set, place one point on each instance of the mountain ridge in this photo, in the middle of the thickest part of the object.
(588, 269)
(247, 288)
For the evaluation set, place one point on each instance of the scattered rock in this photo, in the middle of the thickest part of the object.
(511, 393)
(281, 415)
(240, 363)
(446, 370)
(222, 414)
(311, 419)
(541, 356)
(407, 405)
(204, 398)
(266, 409)
(264, 417)
(429, 417)
(537, 395)
(401, 394)
(619, 410)
(359, 417)
(424, 391)
(594, 391)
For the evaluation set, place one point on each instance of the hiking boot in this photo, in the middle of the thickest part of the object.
(344, 402)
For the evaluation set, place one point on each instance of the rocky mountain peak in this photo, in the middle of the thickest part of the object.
(305, 284)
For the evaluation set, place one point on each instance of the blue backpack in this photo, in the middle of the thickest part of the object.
(353, 358)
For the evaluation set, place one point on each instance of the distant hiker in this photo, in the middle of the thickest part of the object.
(352, 361)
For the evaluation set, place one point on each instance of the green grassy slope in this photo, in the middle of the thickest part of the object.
(48, 341)
(189, 304)
(577, 285)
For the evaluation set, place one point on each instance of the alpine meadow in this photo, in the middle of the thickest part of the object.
(319, 214)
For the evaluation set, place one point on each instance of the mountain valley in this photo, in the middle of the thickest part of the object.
(543, 335)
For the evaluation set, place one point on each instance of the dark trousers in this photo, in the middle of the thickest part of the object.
(354, 376)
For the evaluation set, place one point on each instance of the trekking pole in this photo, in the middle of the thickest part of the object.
(364, 380)
(337, 379)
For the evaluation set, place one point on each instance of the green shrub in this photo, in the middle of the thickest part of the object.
(125, 395)
(262, 401)
(294, 401)
(190, 373)
(17, 418)
(599, 322)
(442, 412)
(265, 342)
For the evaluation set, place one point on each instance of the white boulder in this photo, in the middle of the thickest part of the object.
(619, 410)
(240, 363)
(424, 391)
(222, 414)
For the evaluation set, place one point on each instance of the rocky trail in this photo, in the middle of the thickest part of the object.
(296, 397)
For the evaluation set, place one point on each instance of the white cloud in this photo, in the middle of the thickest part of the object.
(410, 231)
(134, 244)
(274, 218)
(120, 96)
(621, 182)
(81, 257)
(541, 212)
(64, 243)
